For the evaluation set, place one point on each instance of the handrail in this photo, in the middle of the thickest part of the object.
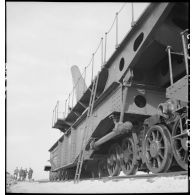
(185, 54)
(116, 46)
(70, 100)
(185, 49)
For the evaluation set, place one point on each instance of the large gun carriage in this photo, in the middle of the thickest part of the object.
(134, 115)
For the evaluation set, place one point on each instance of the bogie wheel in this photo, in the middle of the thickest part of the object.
(129, 157)
(102, 168)
(180, 141)
(113, 160)
(157, 149)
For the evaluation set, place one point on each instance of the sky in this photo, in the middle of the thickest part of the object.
(44, 39)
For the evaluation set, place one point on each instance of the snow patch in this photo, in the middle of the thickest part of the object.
(144, 185)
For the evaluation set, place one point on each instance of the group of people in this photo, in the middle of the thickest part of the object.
(21, 174)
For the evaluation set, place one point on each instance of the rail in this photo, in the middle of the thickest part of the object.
(185, 44)
(140, 176)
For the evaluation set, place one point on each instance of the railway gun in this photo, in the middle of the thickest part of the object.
(134, 115)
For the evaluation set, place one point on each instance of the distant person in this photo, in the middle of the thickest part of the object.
(20, 174)
(30, 172)
(25, 174)
(16, 173)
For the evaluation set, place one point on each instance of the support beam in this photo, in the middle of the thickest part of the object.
(68, 123)
(82, 104)
(96, 96)
(77, 113)
(120, 128)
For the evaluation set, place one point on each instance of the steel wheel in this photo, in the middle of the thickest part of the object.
(157, 149)
(102, 168)
(180, 141)
(113, 160)
(128, 160)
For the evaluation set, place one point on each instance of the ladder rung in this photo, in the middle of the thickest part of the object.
(89, 113)
(176, 53)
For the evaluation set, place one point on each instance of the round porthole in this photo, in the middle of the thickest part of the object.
(140, 101)
(122, 63)
(138, 41)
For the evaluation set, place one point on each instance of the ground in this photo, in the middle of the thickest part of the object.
(147, 185)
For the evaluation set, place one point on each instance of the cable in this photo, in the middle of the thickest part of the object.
(116, 30)
(112, 25)
(105, 48)
(98, 47)
(100, 44)
(122, 8)
(89, 63)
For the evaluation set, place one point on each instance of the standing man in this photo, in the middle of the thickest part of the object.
(25, 174)
(30, 172)
(16, 172)
(20, 174)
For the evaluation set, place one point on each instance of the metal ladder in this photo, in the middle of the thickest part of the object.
(86, 131)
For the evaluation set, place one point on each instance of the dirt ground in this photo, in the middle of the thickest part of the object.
(149, 185)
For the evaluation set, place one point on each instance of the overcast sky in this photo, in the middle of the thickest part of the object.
(43, 41)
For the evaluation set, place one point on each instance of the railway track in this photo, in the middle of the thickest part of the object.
(150, 175)
(140, 176)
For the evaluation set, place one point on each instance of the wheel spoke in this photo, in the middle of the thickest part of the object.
(160, 138)
(153, 135)
(185, 156)
(130, 150)
(181, 125)
(149, 155)
(128, 166)
(128, 146)
(162, 157)
(158, 160)
(157, 135)
(177, 137)
(180, 149)
(153, 163)
(149, 140)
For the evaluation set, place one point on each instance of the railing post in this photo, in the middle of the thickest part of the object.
(73, 96)
(102, 52)
(57, 108)
(170, 64)
(65, 108)
(55, 114)
(52, 119)
(185, 50)
(92, 67)
(85, 81)
(68, 102)
(116, 30)
(105, 47)
(132, 11)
